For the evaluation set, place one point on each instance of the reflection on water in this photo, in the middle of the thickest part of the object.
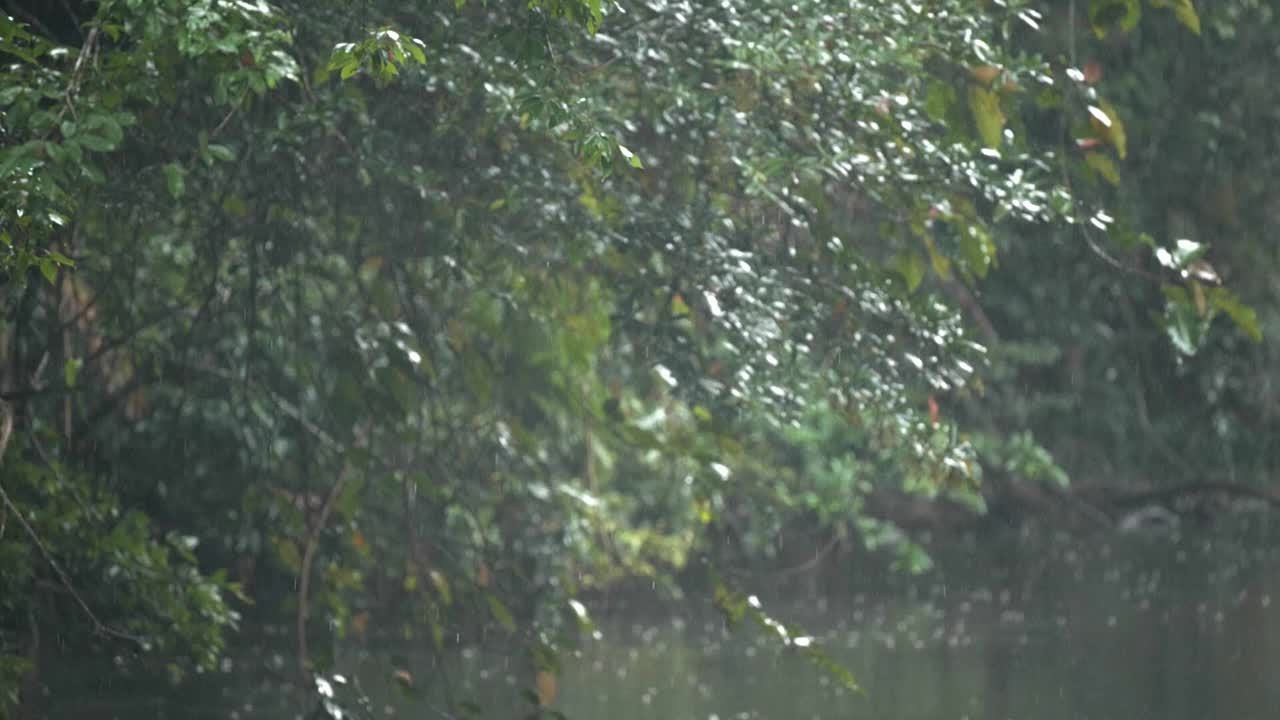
(1158, 630)
(1040, 629)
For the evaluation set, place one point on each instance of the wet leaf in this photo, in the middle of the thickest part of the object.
(1108, 126)
(441, 584)
(911, 267)
(1103, 166)
(1107, 14)
(978, 249)
(176, 180)
(987, 115)
(221, 152)
(1184, 11)
(939, 100)
(630, 157)
(1184, 325)
(501, 613)
(1244, 317)
(941, 265)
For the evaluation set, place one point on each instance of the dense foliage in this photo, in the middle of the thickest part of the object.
(425, 317)
(1105, 395)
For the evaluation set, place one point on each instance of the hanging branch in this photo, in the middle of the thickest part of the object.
(6, 431)
(304, 572)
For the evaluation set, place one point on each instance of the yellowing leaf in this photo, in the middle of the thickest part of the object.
(1184, 10)
(370, 268)
(1103, 166)
(1187, 15)
(984, 74)
(679, 307)
(987, 115)
(360, 622)
(546, 686)
(1107, 124)
(442, 587)
(941, 265)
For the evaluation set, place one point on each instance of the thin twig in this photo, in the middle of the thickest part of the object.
(77, 72)
(98, 625)
(304, 572)
(230, 114)
(6, 432)
(813, 561)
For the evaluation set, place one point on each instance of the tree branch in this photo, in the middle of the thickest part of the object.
(304, 572)
(98, 626)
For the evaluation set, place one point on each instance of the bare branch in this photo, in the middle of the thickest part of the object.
(304, 572)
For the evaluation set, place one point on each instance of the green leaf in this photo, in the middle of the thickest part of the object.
(175, 177)
(342, 54)
(92, 172)
(501, 613)
(939, 100)
(1183, 322)
(1242, 315)
(416, 49)
(235, 205)
(11, 158)
(1184, 253)
(987, 115)
(60, 259)
(48, 268)
(95, 143)
(630, 157)
(222, 152)
(110, 128)
(1106, 14)
(978, 248)
(911, 267)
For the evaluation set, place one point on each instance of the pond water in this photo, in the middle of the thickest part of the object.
(1160, 631)
(1030, 629)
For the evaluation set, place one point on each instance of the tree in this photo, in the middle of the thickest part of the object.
(445, 314)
